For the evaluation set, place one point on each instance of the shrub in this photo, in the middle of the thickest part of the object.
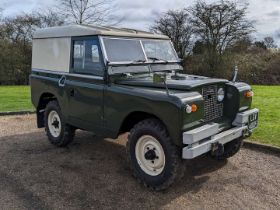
(256, 66)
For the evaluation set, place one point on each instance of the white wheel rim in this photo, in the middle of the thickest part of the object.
(150, 155)
(54, 124)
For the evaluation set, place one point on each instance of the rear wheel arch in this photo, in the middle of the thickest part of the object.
(45, 98)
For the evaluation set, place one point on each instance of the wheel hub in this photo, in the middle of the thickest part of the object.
(54, 123)
(150, 155)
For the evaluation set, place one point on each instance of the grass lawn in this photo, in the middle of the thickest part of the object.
(15, 98)
(267, 99)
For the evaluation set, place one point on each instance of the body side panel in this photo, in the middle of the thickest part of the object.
(83, 109)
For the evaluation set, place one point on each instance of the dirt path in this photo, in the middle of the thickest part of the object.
(93, 174)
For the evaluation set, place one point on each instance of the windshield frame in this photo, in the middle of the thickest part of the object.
(147, 61)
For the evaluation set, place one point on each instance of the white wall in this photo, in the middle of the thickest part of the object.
(51, 54)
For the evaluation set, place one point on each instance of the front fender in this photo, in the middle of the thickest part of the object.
(235, 101)
(120, 101)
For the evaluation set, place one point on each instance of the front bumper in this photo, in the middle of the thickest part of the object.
(201, 140)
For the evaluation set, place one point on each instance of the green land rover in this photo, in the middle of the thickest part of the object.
(111, 81)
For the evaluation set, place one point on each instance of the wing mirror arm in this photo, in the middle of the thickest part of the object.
(235, 73)
(161, 78)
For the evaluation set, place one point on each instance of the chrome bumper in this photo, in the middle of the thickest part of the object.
(200, 140)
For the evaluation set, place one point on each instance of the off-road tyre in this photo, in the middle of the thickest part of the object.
(173, 169)
(67, 132)
(230, 149)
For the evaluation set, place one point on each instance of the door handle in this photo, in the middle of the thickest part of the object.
(72, 92)
(61, 81)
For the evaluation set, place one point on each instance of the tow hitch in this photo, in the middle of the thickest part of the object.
(217, 149)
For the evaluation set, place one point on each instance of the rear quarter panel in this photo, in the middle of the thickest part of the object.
(41, 84)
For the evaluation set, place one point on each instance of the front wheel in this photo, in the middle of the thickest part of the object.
(154, 159)
(59, 133)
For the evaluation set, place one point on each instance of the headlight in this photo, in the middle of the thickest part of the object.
(221, 94)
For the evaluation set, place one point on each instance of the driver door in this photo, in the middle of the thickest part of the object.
(85, 85)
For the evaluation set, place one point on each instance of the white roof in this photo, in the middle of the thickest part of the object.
(87, 30)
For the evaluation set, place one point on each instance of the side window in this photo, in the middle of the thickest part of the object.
(78, 55)
(86, 57)
(95, 53)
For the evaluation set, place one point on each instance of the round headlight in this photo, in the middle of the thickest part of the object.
(221, 94)
(188, 109)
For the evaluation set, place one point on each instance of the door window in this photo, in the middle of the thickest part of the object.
(87, 57)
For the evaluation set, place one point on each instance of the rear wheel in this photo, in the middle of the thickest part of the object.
(59, 133)
(154, 159)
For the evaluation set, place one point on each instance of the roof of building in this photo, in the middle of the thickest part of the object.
(87, 30)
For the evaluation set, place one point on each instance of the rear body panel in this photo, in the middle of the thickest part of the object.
(81, 99)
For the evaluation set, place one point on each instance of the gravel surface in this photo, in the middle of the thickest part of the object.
(93, 174)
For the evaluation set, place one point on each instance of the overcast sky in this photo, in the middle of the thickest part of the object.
(140, 14)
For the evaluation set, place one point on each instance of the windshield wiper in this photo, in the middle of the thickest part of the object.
(157, 59)
(137, 61)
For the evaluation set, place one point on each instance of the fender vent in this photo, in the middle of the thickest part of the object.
(212, 108)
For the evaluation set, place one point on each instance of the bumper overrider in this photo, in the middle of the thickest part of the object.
(203, 139)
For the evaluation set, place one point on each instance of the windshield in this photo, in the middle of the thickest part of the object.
(159, 50)
(121, 50)
(139, 50)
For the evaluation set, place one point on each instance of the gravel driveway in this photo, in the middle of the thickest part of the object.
(93, 174)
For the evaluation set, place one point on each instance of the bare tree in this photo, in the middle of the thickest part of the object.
(175, 24)
(269, 42)
(48, 18)
(22, 27)
(87, 11)
(219, 25)
(260, 45)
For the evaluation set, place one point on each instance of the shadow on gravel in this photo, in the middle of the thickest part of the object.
(90, 173)
(28, 199)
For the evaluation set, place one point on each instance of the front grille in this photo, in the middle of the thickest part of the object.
(212, 108)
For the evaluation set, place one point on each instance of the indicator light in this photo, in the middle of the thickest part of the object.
(192, 108)
(249, 94)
